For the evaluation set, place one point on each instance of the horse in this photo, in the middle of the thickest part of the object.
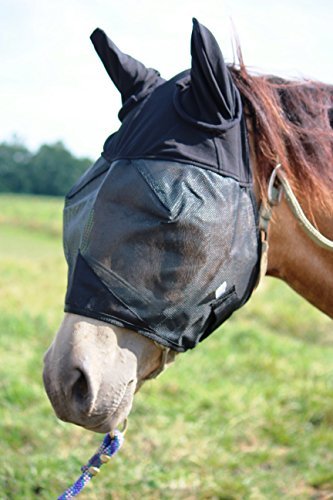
(94, 366)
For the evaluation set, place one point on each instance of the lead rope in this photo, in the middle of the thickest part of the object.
(277, 184)
(111, 443)
(296, 208)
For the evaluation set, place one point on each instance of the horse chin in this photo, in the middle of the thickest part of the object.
(117, 418)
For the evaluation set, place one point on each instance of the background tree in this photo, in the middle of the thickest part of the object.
(14, 168)
(52, 170)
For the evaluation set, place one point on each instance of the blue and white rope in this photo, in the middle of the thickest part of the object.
(110, 445)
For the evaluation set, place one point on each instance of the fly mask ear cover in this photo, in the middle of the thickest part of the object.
(160, 235)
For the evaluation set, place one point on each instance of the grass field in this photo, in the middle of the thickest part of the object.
(246, 415)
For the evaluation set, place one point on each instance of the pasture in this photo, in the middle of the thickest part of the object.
(248, 414)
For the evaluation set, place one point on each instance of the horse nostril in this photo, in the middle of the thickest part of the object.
(80, 389)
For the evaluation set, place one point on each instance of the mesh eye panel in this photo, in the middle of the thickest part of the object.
(160, 238)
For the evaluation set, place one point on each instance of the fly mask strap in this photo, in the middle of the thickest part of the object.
(265, 214)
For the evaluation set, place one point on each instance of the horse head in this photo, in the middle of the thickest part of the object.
(161, 234)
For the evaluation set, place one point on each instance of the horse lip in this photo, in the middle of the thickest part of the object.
(110, 422)
(103, 427)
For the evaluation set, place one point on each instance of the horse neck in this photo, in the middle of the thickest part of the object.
(300, 262)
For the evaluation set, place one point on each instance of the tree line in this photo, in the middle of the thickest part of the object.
(51, 170)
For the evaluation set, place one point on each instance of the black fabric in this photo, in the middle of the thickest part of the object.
(160, 235)
(88, 293)
(209, 97)
(132, 78)
(195, 117)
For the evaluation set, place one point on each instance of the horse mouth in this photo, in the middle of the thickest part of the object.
(119, 415)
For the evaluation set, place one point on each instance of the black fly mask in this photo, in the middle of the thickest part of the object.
(160, 234)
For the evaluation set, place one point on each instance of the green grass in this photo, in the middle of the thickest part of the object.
(36, 213)
(247, 415)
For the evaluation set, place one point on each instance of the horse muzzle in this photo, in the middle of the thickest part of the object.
(88, 378)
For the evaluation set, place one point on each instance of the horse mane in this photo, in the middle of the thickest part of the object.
(292, 124)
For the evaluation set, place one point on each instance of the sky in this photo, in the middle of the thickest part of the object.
(53, 86)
